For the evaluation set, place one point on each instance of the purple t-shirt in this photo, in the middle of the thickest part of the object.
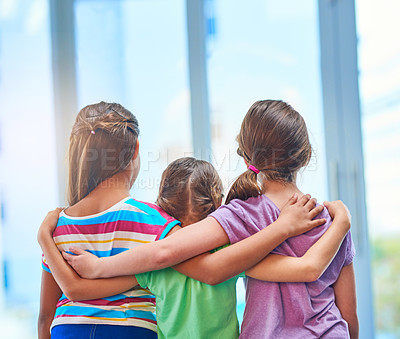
(286, 310)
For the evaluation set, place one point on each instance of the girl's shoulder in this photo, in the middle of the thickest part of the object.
(255, 208)
(148, 207)
(77, 214)
(242, 218)
(128, 209)
(259, 203)
(151, 211)
(128, 215)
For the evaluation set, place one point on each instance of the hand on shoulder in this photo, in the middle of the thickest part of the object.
(298, 214)
(49, 224)
(339, 211)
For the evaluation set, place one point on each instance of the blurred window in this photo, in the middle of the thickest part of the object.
(379, 62)
(28, 181)
(134, 53)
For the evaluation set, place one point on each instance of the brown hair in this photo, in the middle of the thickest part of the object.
(190, 187)
(102, 144)
(274, 139)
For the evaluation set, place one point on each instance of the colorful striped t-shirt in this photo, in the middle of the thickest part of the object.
(127, 224)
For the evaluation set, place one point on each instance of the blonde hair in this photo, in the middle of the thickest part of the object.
(190, 187)
(102, 144)
(274, 139)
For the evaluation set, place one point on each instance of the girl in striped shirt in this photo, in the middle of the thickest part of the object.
(104, 219)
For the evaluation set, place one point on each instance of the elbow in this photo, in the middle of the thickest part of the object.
(205, 279)
(312, 273)
(164, 257)
(353, 326)
(73, 292)
(212, 280)
(74, 295)
(214, 277)
(44, 323)
(43, 319)
(71, 296)
(209, 280)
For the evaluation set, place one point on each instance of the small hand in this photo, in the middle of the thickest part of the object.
(83, 262)
(298, 214)
(339, 211)
(49, 224)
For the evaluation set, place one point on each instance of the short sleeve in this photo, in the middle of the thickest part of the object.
(143, 279)
(171, 223)
(159, 221)
(350, 250)
(232, 220)
(44, 264)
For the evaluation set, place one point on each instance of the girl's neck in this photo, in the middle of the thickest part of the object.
(104, 196)
(279, 192)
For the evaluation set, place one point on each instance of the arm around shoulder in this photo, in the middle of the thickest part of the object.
(222, 265)
(74, 287)
(314, 262)
(235, 259)
(191, 241)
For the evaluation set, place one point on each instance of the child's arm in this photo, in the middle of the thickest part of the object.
(199, 238)
(315, 261)
(345, 298)
(73, 286)
(49, 295)
(217, 267)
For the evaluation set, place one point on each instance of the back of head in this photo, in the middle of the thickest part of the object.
(274, 139)
(190, 187)
(102, 144)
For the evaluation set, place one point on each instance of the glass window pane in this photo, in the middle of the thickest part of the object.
(379, 62)
(134, 53)
(272, 54)
(28, 181)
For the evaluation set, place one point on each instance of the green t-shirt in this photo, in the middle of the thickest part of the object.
(187, 308)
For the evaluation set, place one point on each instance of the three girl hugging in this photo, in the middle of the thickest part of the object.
(111, 263)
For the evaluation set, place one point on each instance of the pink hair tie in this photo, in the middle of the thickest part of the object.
(93, 132)
(255, 170)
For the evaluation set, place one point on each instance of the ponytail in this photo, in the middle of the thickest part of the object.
(245, 187)
(273, 138)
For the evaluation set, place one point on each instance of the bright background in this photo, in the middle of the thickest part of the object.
(135, 52)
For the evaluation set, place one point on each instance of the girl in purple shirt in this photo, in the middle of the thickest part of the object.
(274, 143)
